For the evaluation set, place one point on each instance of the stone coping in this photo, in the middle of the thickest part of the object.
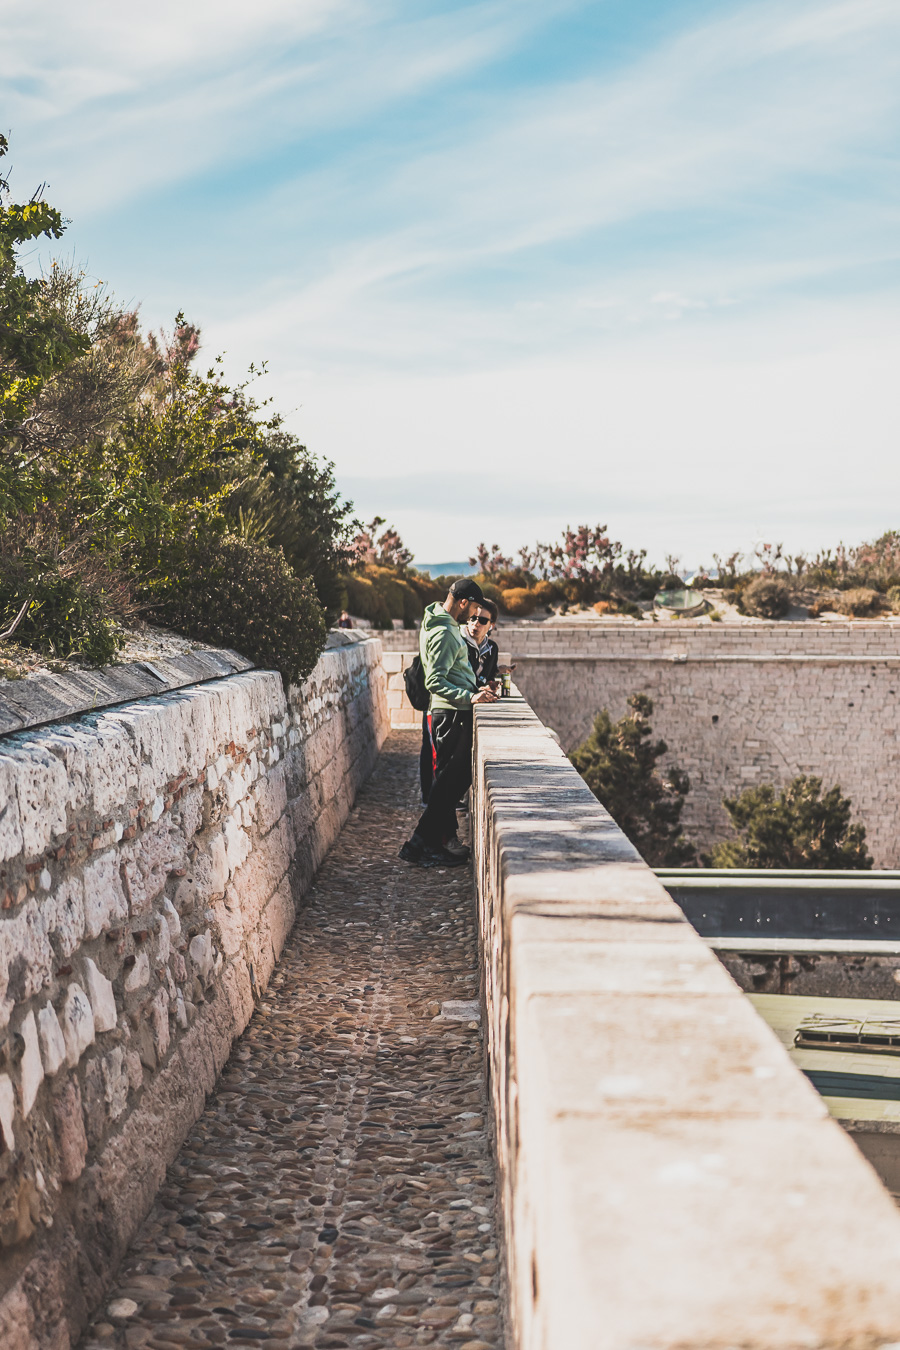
(49, 696)
(669, 1178)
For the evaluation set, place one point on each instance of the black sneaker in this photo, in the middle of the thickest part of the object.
(443, 857)
(412, 851)
(459, 850)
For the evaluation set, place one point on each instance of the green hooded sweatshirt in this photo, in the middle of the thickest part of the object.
(449, 677)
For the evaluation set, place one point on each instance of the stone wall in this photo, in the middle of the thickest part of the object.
(669, 1178)
(151, 861)
(738, 705)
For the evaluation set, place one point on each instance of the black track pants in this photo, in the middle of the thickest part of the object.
(426, 758)
(451, 732)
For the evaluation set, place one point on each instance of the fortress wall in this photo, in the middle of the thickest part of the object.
(152, 858)
(739, 706)
(668, 1177)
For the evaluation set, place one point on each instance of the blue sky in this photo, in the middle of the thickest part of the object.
(513, 265)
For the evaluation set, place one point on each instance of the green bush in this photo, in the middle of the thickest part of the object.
(618, 763)
(766, 597)
(893, 597)
(366, 601)
(65, 617)
(243, 595)
(798, 828)
(860, 601)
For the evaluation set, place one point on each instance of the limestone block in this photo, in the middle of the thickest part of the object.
(70, 1135)
(218, 866)
(148, 861)
(271, 798)
(191, 812)
(104, 898)
(230, 921)
(25, 955)
(139, 974)
(102, 998)
(7, 1111)
(158, 1018)
(77, 1024)
(10, 820)
(237, 844)
(53, 1045)
(163, 938)
(63, 914)
(115, 1081)
(204, 873)
(170, 913)
(31, 1069)
(201, 953)
(41, 795)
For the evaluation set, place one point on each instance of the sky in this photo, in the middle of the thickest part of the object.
(513, 265)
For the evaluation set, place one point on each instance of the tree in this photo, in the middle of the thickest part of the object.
(618, 763)
(800, 827)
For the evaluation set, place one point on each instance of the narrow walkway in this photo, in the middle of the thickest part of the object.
(338, 1190)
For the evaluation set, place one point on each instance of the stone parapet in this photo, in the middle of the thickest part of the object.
(151, 862)
(669, 1178)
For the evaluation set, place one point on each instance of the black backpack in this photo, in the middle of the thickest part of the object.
(414, 679)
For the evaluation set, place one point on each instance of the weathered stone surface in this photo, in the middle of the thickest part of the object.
(53, 1045)
(104, 898)
(101, 996)
(77, 1024)
(7, 1111)
(156, 802)
(31, 1069)
(70, 1136)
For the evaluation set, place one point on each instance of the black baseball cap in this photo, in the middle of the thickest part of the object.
(464, 588)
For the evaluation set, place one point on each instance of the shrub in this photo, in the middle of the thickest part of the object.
(519, 601)
(798, 828)
(64, 618)
(366, 601)
(859, 601)
(243, 595)
(893, 597)
(545, 593)
(491, 592)
(618, 763)
(767, 598)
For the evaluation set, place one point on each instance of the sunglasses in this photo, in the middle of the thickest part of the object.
(480, 618)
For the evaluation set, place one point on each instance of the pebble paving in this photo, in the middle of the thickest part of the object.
(339, 1189)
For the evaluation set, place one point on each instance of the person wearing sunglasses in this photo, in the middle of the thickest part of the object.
(484, 654)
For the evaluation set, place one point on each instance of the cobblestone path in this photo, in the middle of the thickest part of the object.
(338, 1190)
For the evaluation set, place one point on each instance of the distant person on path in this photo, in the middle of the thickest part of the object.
(453, 688)
(345, 621)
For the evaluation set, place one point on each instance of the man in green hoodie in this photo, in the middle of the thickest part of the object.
(450, 681)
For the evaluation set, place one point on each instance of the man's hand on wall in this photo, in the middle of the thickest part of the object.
(484, 696)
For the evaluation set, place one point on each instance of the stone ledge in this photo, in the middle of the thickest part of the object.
(669, 1178)
(49, 697)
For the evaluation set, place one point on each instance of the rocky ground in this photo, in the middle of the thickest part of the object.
(338, 1191)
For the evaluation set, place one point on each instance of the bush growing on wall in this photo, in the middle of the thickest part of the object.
(243, 595)
(618, 761)
(799, 827)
